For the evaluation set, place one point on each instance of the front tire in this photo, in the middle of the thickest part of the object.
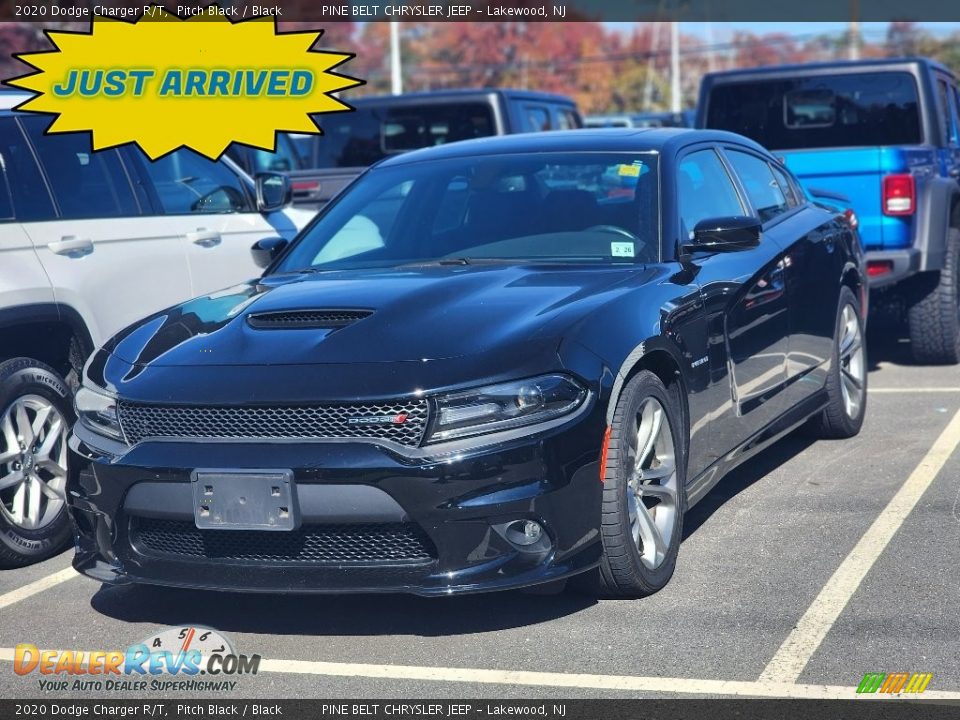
(35, 417)
(644, 494)
(934, 315)
(847, 380)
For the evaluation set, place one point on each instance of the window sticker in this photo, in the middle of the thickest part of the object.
(622, 249)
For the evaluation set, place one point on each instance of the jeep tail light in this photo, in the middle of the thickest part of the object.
(305, 185)
(877, 268)
(852, 220)
(899, 195)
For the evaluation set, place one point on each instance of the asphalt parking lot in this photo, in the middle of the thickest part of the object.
(812, 565)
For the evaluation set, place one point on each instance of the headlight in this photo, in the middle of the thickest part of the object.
(504, 406)
(98, 412)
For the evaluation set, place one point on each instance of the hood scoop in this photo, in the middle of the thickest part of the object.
(332, 319)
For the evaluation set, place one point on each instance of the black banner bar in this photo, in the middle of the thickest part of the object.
(331, 11)
(722, 709)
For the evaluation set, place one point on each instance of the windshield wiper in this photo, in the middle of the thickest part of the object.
(454, 261)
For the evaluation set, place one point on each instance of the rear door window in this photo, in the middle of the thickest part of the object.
(536, 118)
(762, 188)
(786, 187)
(86, 184)
(948, 120)
(566, 119)
(844, 110)
(23, 194)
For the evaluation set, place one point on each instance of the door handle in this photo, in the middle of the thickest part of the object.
(71, 245)
(204, 238)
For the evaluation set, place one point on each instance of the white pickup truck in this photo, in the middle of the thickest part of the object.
(89, 243)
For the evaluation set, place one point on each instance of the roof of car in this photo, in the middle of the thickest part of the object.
(457, 93)
(825, 67)
(664, 140)
(11, 97)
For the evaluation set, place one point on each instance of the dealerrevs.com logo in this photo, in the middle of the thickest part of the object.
(185, 658)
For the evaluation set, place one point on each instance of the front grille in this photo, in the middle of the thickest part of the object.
(400, 422)
(305, 319)
(373, 543)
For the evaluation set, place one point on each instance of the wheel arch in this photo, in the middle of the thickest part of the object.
(655, 356)
(47, 332)
(938, 211)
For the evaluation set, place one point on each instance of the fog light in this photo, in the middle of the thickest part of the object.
(524, 532)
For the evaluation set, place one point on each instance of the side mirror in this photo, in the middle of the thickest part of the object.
(266, 250)
(273, 191)
(723, 234)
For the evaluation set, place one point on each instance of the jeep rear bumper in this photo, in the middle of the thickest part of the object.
(887, 267)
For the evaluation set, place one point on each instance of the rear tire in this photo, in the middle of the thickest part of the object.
(934, 314)
(847, 381)
(644, 495)
(35, 416)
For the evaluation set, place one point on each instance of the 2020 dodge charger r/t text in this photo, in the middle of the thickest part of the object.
(489, 365)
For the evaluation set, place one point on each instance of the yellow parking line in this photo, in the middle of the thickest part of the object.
(802, 642)
(38, 586)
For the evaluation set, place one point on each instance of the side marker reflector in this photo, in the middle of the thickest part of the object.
(603, 452)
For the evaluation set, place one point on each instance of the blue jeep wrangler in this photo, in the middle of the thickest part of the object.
(884, 136)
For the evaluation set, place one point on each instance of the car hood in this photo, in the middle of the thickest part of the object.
(411, 314)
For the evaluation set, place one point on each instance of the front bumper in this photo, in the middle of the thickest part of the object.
(371, 520)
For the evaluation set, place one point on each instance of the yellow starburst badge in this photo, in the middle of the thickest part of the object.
(164, 83)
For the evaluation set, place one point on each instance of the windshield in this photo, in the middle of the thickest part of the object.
(848, 110)
(562, 207)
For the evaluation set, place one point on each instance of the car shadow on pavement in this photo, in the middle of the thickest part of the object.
(887, 342)
(742, 477)
(349, 615)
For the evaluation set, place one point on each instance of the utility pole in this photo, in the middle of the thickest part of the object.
(711, 53)
(651, 66)
(675, 101)
(854, 31)
(396, 72)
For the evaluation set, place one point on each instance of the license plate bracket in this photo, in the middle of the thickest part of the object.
(245, 500)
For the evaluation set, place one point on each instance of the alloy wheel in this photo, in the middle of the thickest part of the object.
(33, 462)
(652, 484)
(853, 367)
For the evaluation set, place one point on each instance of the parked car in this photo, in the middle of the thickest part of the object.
(392, 124)
(89, 243)
(284, 159)
(886, 135)
(486, 365)
(684, 118)
(608, 121)
(256, 160)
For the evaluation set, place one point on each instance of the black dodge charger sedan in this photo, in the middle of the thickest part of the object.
(488, 365)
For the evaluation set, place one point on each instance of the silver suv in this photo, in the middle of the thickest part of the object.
(89, 243)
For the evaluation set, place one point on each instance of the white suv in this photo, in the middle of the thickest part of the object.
(89, 243)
